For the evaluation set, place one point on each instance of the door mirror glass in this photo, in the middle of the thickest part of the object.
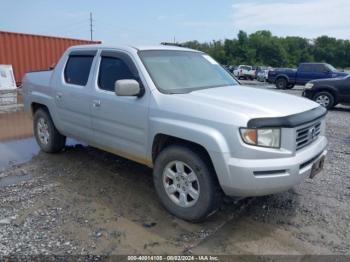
(127, 87)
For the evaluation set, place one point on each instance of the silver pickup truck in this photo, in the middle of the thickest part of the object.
(178, 111)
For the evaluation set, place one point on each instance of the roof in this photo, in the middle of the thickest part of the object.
(134, 47)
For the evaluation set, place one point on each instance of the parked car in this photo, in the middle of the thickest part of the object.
(244, 72)
(232, 68)
(329, 92)
(178, 111)
(286, 78)
(262, 73)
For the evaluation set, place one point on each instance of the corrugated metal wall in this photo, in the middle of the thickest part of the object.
(26, 52)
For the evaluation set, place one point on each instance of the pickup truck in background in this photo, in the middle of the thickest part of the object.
(244, 72)
(179, 112)
(286, 78)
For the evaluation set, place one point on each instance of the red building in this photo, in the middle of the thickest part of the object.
(27, 52)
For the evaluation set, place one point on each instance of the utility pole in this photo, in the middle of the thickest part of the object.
(91, 26)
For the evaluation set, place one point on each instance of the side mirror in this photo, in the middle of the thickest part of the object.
(127, 87)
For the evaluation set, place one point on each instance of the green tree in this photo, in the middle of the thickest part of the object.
(262, 48)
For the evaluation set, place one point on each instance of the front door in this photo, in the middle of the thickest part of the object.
(119, 123)
(344, 90)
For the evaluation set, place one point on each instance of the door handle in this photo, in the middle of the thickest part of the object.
(59, 96)
(96, 103)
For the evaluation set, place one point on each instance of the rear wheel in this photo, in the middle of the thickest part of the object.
(186, 184)
(325, 99)
(290, 86)
(281, 83)
(46, 134)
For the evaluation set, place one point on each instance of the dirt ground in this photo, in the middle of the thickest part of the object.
(85, 201)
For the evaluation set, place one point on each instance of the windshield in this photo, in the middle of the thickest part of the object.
(184, 71)
(330, 67)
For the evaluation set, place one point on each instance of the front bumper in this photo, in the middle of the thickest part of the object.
(256, 177)
(308, 93)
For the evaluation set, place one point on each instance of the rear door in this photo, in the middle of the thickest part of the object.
(303, 74)
(119, 123)
(73, 95)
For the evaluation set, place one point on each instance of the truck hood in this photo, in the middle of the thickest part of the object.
(328, 80)
(242, 102)
(339, 74)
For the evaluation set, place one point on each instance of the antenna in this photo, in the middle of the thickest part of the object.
(91, 26)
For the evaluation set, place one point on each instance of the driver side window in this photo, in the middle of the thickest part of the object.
(111, 70)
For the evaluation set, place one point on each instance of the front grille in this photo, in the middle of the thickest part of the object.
(307, 135)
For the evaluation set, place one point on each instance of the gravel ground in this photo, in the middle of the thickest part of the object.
(85, 201)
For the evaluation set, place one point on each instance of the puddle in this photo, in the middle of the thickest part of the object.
(22, 150)
(17, 152)
(13, 180)
(17, 144)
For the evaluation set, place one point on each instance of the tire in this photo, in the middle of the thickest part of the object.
(204, 182)
(290, 86)
(281, 83)
(325, 99)
(46, 134)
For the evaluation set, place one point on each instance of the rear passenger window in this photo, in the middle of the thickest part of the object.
(306, 68)
(78, 69)
(111, 70)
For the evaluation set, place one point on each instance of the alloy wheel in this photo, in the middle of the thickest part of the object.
(181, 184)
(43, 131)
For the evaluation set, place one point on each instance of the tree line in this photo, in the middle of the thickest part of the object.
(263, 48)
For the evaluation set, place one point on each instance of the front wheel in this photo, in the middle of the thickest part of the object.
(186, 184)
(46, 134)
(325, 99)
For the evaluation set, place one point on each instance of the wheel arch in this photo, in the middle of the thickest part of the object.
(161, 141)
(328, 89)
(34, 106)
(282, 76)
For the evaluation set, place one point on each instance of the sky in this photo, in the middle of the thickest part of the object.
(155, 21)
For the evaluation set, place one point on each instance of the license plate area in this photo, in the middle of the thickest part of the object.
(317, 167)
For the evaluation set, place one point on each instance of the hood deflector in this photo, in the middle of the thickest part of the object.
(288, 121)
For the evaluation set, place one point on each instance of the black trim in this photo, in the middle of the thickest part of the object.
(288, 121)
(269, 172)
(41, 70)
(83, 53)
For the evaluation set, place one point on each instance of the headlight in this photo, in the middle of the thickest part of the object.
(265, 137)
(309, 85)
